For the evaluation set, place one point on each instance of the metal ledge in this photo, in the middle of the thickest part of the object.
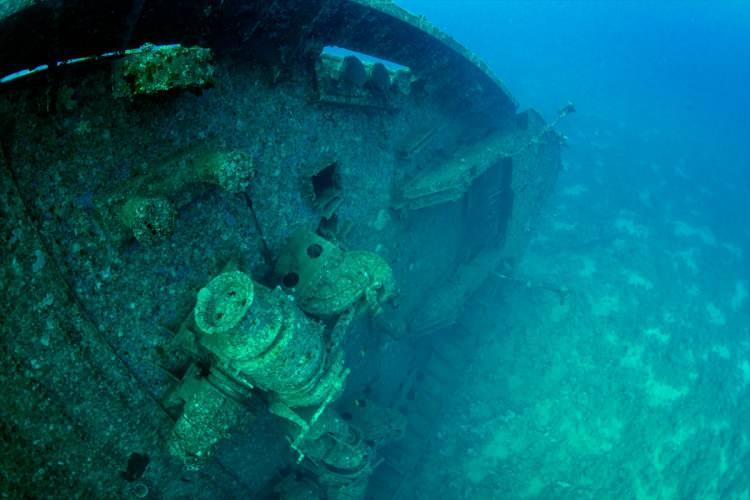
(277, 32)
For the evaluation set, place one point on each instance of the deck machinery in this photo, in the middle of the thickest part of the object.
(235, 234)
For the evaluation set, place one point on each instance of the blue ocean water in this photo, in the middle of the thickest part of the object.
(681, 68)
(637, 387)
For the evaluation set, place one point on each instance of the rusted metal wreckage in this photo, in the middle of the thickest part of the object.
(224, 237)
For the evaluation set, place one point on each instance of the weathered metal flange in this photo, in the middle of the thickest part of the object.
(45, 31)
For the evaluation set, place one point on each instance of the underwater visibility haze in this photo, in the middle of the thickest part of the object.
(358, 249)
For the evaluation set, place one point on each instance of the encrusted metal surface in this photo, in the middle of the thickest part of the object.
(117, 211)
(289, 28)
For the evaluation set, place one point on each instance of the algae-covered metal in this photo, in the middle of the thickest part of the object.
(155, 70)
(357, 208)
